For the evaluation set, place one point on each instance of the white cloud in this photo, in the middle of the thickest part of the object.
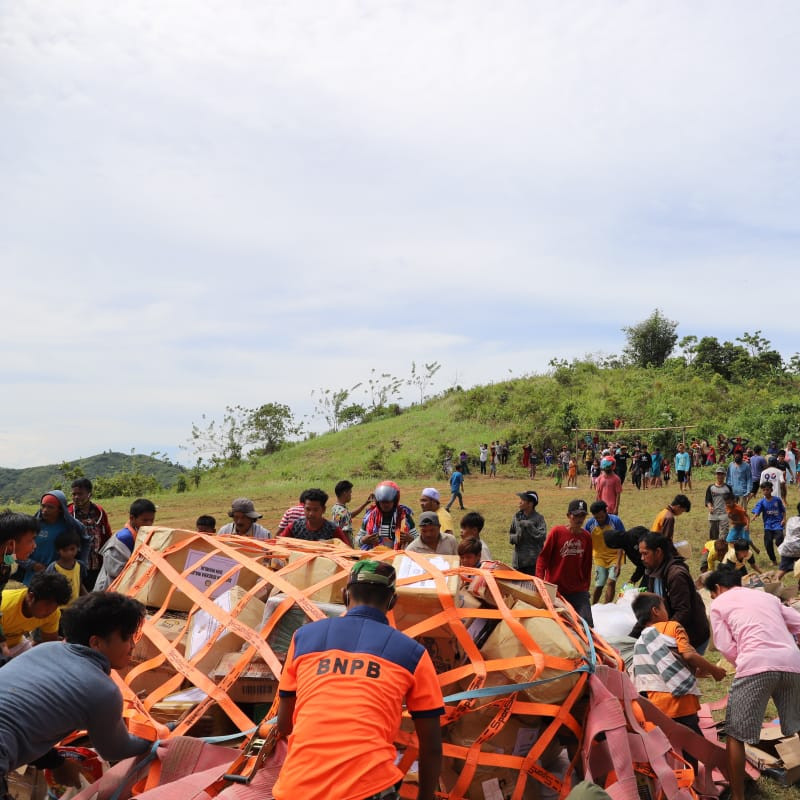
(238, 202)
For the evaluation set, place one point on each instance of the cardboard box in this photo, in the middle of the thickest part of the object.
(214, 722)
(684, 549)
(155, 592)
(256, 684)
(172, 627)
(512, 590)
(313, 572)
(417, 602)
(146, 683)
(445, 653)
(551, 638)
(776, 754)
(27, 783)
(203, 626)
(527, 593)
(516, 737)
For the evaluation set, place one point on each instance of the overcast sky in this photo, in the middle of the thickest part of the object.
(238, 202)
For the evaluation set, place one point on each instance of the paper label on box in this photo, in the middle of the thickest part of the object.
(204, 625)
(210, 571)
(491, 790)
(410, 568)
(526, 738)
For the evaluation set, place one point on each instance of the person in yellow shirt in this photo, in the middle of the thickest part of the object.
(67, 545)
(664, 523)
(607, 560)
(714, 551)
(34, 608)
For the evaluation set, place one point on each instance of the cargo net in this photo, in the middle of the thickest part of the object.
(513, 659)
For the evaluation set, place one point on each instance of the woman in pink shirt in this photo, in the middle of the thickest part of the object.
(757, 634)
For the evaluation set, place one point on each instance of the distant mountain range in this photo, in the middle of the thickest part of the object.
(29, 484)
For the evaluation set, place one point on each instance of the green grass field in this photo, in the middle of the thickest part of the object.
(494, 498)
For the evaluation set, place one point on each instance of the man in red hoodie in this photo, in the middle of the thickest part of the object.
(566, 559)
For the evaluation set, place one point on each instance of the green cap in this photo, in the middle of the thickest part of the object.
(378, 572)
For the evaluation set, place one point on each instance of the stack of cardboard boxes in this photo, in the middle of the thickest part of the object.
(242, 641)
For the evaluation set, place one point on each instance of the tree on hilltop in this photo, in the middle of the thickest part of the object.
(651, 341)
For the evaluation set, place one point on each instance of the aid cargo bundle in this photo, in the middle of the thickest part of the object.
(513, 661)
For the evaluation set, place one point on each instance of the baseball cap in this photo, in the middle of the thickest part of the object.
(531, 496)
(606, 463)
(378, 572)
(244, 506)
(432, 493)
(429, 518)
(577, 507)
(720, 471)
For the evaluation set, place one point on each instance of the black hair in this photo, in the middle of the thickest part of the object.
(682, 501)
(303, 496)
(657, 541)
(342, 487)
(82, 483)
(142, 506)
(740, 545)
(51, 586)
(765, 485)
(14, 525)
(472, 519)
(598, 505)
(757, 448)
(642, 607)
(316, 495)
(725, 575)
(470, 546)
(370, 594)
(100, 614)
(67, 538)
(206, 521)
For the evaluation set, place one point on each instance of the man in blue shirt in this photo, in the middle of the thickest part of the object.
(774, 514)
(456, 482)
(740, 479)
(683, 467)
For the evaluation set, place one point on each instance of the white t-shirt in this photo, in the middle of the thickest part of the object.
(775, 477)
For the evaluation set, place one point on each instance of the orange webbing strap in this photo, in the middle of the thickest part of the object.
(137, 713)
(555, 716)
(627, 745)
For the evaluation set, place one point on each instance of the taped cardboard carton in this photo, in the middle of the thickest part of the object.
(776, 754)
(27, 783)
(172, 628)
(684, 549)
(203, 626)
(156, 590)
(215, 722)
(316, 570)
(515, 737)
(419, 601)
(256, 684)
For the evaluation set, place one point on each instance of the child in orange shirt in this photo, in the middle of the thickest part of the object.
(665, 665)
(572, 473)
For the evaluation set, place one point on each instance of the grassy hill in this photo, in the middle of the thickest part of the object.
(28, 485)
(543, 409)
